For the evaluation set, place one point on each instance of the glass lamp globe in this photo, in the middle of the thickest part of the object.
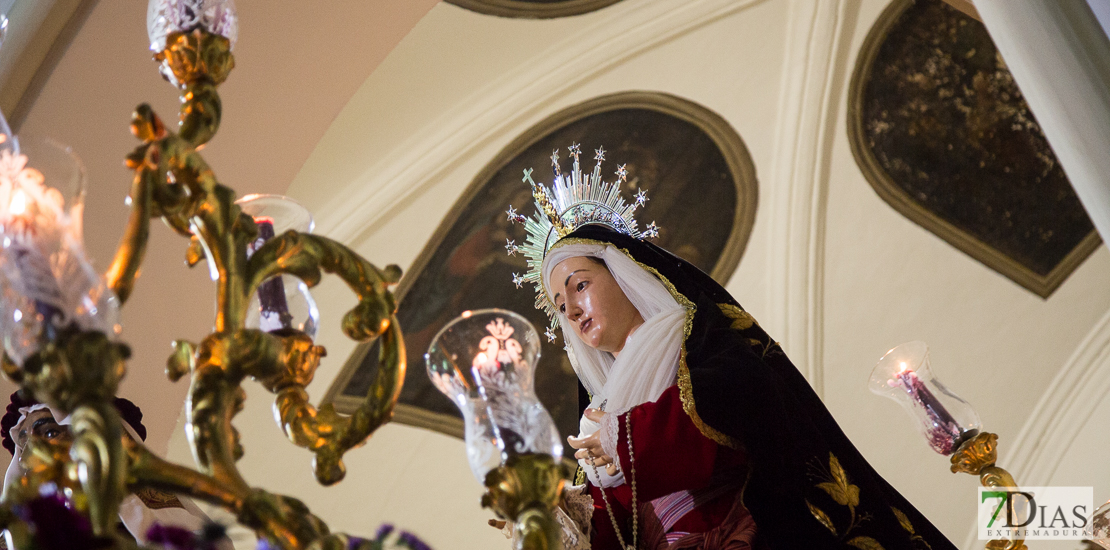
(484, 362)
(167, 16)
(1100, 526)
(945, 420)
(284, 302)
(46, 282)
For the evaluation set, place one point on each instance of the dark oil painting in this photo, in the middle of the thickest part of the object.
(945, 122)
(693, 197)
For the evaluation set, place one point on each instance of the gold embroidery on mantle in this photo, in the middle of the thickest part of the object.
(905, 523)
(157, 500)
(834, 482)
(685, 388)
(741, 321)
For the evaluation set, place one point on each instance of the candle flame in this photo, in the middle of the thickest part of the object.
(18, 206)
(481, 359)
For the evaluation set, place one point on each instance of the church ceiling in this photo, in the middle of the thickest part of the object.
(532, 9)
(702, 192)
(941, 131)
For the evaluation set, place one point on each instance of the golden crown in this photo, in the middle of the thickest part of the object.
(572, 201)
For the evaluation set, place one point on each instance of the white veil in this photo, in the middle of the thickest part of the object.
(646, 366)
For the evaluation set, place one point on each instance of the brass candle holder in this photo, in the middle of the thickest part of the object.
(949, 424)
(977, 456)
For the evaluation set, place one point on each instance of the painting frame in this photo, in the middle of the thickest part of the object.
(532, 10)
(717, 129)
(893, 195)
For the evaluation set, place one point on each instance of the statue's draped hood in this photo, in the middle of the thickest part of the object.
(809, 486)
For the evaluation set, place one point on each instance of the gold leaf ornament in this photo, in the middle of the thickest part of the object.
(902, 519)
(741, 320)
(821, 517)
(844, 493)
(865, 543)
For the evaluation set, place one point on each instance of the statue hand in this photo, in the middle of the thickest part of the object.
(589, 447)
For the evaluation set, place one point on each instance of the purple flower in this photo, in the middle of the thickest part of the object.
(403, 539)
(172, 538)
(412, 541)
(176, 538)
(383, 531)
(58, 527)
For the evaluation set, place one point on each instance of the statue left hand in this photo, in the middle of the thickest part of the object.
(590, 446)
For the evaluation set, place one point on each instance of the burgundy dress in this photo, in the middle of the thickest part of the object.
(689, 488)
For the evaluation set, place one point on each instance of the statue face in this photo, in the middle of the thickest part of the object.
(40, 424)
(587, 294)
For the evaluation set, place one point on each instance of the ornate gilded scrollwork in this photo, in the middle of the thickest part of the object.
(976, 454)
(79, 372)
(323, 431)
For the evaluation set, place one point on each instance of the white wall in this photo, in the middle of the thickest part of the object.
(829, 264)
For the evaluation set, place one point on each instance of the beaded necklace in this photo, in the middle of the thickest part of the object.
(632, 482)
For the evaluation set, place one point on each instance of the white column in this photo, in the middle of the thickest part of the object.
(1060, 58)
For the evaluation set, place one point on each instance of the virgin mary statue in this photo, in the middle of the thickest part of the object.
(697, 430)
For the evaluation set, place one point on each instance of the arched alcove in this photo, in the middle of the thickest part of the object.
(702, 189)
(941, 131)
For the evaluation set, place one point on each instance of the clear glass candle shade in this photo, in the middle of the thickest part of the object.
(281, 303)
(483, 446)
(1100, 526)
(283, 212)
(483, 362)
(46, 282)
(942, 417)
(166, 16)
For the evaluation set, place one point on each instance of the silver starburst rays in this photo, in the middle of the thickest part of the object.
(572, 201)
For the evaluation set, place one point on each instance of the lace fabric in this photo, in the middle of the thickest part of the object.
(573, 516)
(577, 517)
(609, 435)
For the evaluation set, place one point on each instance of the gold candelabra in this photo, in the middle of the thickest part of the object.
(78, 371)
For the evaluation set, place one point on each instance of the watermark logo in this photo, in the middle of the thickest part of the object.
(1035, 513)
